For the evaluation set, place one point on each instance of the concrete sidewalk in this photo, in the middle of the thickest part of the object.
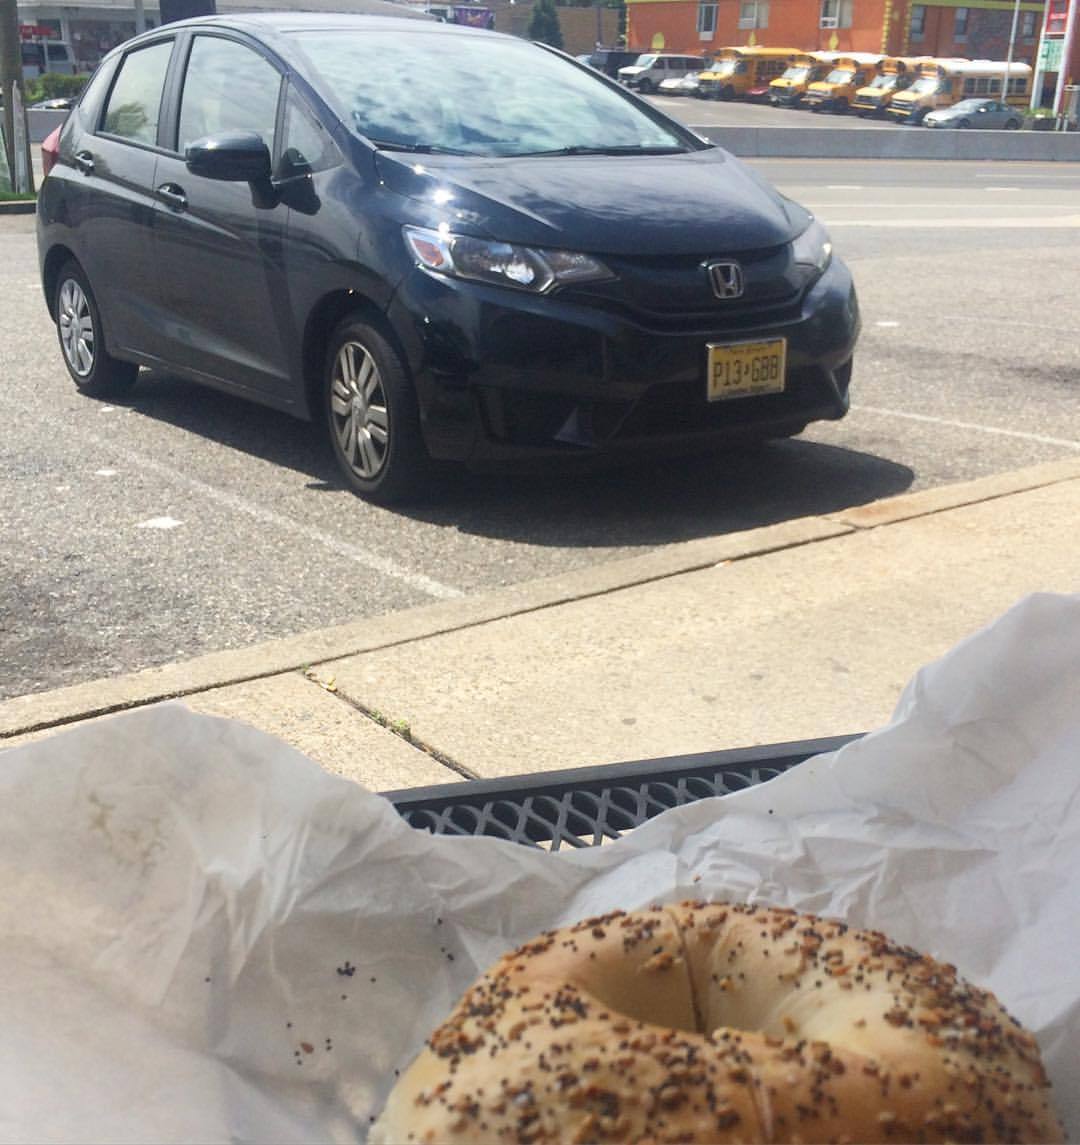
(804, 629)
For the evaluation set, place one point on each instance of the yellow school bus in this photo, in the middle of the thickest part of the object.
(837, 90)
(789, 89)
(941, 83)
(743, 73)
(895, 75)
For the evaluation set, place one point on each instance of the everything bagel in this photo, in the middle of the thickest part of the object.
(722, 1023)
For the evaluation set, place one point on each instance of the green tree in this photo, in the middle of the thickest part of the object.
(544, 24)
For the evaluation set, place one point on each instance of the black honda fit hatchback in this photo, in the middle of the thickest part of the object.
(442, 242)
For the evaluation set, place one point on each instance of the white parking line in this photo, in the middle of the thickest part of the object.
(1058, 222)
(1042, 439)
(356, 553)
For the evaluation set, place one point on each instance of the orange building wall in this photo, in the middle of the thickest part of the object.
(792, 24)
(877, 26)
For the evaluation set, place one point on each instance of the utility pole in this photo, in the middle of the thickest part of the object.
(10, 72)
(1066, 55)
(1008, 62)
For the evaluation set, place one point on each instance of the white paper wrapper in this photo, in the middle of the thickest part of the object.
(206, 937)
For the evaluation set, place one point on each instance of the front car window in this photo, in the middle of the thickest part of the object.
(484, 96)
(227, 87)
(306, 140)
(134, 103)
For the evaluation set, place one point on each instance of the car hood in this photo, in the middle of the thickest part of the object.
(648, 204)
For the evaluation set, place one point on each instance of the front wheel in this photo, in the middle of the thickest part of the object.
(78, 326)
(372, 415)
(1012, 125)
(964, 123)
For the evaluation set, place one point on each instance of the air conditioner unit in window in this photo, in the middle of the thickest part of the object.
(830, 21)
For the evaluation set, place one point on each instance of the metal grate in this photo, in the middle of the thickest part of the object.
(585, 807)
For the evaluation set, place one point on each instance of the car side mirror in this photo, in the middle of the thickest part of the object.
(230, 156)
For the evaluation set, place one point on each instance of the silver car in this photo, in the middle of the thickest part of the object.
(986, 113)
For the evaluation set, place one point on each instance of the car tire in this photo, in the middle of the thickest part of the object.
(840, 106)
(372, 415)
(82, 342)
(1012, 125)
(964, 123)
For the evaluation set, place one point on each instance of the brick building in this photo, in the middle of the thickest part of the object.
(975, 29)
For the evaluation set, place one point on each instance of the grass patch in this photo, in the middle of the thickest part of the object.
(17, 197)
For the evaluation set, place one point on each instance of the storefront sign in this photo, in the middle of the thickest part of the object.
(1050, 55)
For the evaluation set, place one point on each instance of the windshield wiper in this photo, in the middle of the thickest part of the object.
(614, 149)
(418, 148)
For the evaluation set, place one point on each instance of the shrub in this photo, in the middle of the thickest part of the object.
(54, 86)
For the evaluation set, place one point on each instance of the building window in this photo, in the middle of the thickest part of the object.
(960, 25)
(918, 21)
(754, 14)
(836, 13)
(1027, 26)
(706, 20)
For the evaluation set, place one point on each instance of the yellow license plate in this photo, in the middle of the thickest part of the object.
(745, 369)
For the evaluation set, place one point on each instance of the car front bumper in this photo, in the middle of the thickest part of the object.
(501, 373)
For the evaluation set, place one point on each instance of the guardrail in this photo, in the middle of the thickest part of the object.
(903, 143)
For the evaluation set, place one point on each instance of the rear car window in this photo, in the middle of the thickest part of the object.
(134, 103)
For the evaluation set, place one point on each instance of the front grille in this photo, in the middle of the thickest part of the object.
(674, 293)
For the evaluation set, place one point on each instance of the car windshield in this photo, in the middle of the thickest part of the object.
(796, 74)
(925, 85)
(887, 80)
(724, 68)
(644, 62)
(433, 92)
(968, 105)
(839, 75)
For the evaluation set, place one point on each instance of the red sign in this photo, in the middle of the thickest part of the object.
(1057, 13)
(34, 32)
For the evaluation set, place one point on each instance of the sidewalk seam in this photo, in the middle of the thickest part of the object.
(384, 722)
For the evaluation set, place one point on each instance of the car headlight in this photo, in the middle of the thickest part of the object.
(812, 252)
(524, 268)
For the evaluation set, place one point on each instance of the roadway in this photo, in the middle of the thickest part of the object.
(184, 521)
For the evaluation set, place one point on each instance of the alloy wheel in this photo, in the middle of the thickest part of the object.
(77, 336)
(358, 410)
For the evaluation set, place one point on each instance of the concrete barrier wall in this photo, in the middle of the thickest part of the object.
(899, 143)
(830, 143)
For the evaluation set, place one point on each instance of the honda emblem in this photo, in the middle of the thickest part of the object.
(726, 279)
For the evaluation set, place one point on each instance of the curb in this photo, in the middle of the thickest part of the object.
(24, 714)
(18, 207)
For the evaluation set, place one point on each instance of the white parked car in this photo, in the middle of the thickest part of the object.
(649, 71)
(681, 85)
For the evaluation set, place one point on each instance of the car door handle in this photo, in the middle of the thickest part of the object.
(85, 162)
(173, 195)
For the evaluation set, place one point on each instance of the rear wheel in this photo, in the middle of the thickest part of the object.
(372, 415)
(82, 342)
(1012, 124)
(964, 123)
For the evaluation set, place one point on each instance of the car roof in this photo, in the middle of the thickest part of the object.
(368, 14)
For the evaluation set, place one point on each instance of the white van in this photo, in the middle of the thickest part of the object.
(647, 72)
(41, 56)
